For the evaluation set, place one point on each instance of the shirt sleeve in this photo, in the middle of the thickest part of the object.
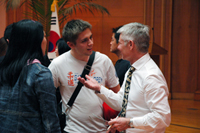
(156, 97)
(45, 92)
(53, 69)
(114, 100)
(112, 79)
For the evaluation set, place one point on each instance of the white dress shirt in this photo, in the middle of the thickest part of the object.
(148, 105)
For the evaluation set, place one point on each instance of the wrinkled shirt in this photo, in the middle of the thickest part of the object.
(148, 105)
(30, 105)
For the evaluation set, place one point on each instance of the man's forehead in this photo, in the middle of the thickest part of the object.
(113, 35)
(85, 34)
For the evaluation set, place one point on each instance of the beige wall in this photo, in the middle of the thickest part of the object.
(3, 19)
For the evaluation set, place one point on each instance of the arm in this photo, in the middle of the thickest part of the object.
(116, 88)
(112, 81)
(45, 92)
(52, 68)
(114, 100)
(156, 98)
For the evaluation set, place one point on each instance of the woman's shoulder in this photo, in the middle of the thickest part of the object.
(38, 68)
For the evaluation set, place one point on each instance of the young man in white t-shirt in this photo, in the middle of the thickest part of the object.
(68, 67)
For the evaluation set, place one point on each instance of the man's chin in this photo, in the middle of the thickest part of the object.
(89, 52)
(123, 58)
(112, 51)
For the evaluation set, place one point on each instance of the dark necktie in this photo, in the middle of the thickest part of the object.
(126, 91)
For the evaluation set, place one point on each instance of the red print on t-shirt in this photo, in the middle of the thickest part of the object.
(71, 79)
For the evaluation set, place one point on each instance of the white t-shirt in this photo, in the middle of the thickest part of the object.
(65, 70)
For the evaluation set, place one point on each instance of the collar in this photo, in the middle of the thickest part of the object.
(141, 61)
(34, 61)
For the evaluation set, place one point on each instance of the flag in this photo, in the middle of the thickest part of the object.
(54, 30)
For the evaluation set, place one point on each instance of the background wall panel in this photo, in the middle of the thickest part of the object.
(121, 12)
(3, 19)
(185, 47)
(174, 24)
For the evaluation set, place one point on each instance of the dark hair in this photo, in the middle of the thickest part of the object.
(62, 46)
(24, 45)
(73, 28)
(3, 46)
(7, 32)
(114, 30)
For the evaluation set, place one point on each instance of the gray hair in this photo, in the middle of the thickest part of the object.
(73, 28)
(138, 33)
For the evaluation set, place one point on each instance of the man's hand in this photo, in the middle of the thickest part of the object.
(90, 83)
(119, 124)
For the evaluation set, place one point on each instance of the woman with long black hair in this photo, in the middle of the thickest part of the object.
(27, 92)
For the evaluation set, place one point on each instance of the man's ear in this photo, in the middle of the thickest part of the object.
(70, 44)
(131, 44)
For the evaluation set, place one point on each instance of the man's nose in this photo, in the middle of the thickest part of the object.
(90, 42)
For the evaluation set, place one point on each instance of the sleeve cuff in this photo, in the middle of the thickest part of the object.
(137, 122)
